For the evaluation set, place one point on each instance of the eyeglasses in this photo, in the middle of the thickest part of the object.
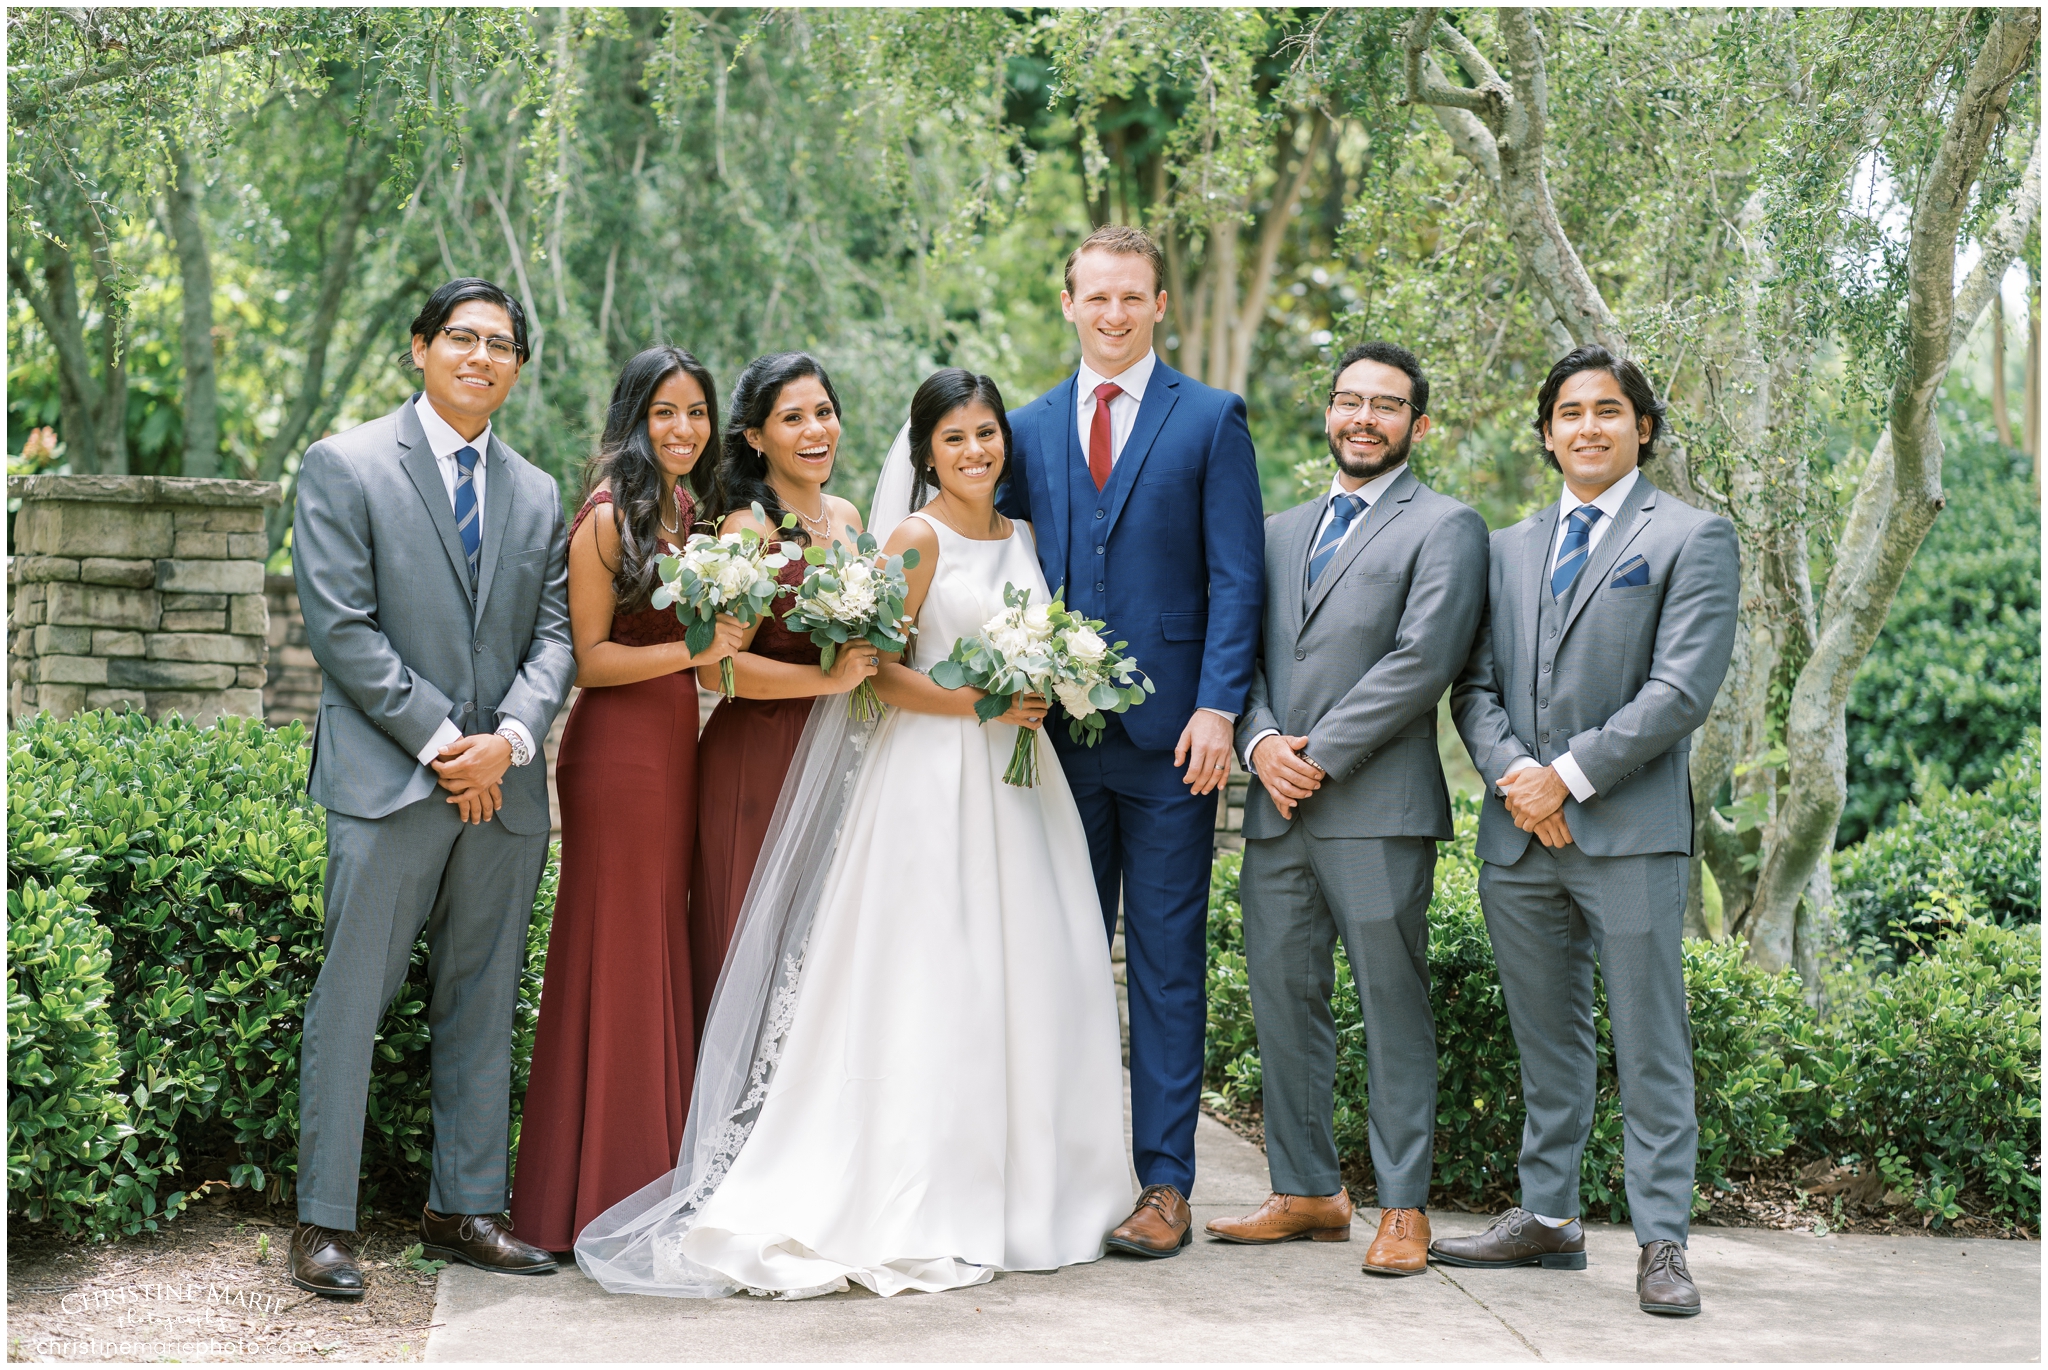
(500, 349)
(1347, 404)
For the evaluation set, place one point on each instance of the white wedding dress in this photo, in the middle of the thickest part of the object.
(948, 1099)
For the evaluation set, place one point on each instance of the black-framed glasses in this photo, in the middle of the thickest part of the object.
(499, 348)
(1347, 404)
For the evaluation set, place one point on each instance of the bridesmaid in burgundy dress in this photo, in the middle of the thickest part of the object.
(780, 441)
(616, 1048)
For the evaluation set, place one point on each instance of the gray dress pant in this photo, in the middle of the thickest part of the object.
(1300, 893)
(1549, 914)
(471, 888)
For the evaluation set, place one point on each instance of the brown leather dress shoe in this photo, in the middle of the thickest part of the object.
(1663, 1284)
(1402, 1244)
(1289, 1217)
(1159, 1226)
(322, 1263)
(483, 1240)
(1516, 1238)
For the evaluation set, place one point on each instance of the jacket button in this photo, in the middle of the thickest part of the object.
(1098, 551)
(1098, 585)
(1098, 513)
(479, 649)
(469, 706)
(1546, 668)
(1301, 656)
(1542, 703)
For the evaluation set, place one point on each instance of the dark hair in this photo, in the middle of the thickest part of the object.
(943, 392)
(434, 313)
(742, 469)
(1387, 354)
(1125, 240)
(1634, 384)
(625, 457)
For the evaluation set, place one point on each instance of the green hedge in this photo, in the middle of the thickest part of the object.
(1981, 847)
(1933, 1073)
(193, 857)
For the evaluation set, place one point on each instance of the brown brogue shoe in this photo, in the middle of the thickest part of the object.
(1516, 1238)
(1290, 1217)
(321, 1263)
(1663, 1284)
(1402, 1244)
(483, 1240)
(1158, 1227)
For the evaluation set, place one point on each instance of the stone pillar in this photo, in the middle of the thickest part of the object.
(293, 690)
(138, 591)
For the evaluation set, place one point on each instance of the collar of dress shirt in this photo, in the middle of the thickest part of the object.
(443, 438)
(1372, 489)
(1132, 379)
(1608, 501)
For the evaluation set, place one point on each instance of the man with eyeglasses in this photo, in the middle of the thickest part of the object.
(1373, 593)
(432, 567)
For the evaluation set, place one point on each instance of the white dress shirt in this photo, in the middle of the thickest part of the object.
(445, 442)
(1123, 410)
(1609, 502)
(1370, 492)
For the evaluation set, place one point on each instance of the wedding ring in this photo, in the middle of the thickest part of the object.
(1222, 765)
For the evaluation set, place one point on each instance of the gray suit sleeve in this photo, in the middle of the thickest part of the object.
(1476, 700)
(1445, 596)
(550, 666)
(337, 582)
(1695, 637)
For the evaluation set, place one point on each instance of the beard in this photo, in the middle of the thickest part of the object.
(1395, 454)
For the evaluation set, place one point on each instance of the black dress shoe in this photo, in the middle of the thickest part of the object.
(1517, 1237)
(322, 1263)
(1663, 1284)
(483, 1240)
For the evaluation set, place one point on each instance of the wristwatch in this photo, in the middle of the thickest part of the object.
(520, 754)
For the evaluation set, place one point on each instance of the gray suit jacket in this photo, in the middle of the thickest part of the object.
(403, 640)
(1635, 671)
(1358, 663)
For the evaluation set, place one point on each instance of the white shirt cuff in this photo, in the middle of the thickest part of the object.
(1574, 778)
(1520, 763)
(443, 735)
(1253, 746)
(526, 738)
(1223, 714)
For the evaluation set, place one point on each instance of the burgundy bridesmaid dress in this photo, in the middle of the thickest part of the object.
(616, 1047)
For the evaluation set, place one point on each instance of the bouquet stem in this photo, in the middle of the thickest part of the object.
(1023, 772)
(864, 705)
(725, 680)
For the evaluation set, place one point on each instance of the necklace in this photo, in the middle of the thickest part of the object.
(666, 526)
(821, 526)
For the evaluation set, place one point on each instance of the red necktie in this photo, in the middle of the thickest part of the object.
(1098, 433)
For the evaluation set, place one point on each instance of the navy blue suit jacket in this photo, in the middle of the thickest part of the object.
(1184, 540)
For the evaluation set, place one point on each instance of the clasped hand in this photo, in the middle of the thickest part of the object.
(1289, 777)
(470, 769)
(854, 662)
(1535, 798)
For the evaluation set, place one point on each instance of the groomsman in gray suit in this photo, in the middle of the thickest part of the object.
(433, 572)
(1373, 593)
(1610, 619)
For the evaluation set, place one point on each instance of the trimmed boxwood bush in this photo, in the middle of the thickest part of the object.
(1933, 1073)
(197, 853)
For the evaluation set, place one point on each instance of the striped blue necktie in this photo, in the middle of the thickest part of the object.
(466, 521)
(1571, 558)
(1343, 510)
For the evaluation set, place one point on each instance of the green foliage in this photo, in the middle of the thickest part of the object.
(197, 856)
(1983, 847)
(1954, 680)
(1939, 1063)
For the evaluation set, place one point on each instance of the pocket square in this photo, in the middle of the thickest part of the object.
(1634, 571)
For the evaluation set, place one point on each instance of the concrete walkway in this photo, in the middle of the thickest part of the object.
(1770, 1296)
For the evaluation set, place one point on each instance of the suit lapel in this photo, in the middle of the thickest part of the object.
(1161, 394)
(1058, 464)
(1383, 512)
(1292, 532)
(497, 510)
(1628, 525)
(418, 460)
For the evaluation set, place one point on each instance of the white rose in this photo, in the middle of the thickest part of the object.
(1073, 697)
(1038, 623)
(735, 578)
(1084, 644)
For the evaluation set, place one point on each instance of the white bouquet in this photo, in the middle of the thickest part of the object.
(848, 594)
(733, 574)
(1044, 649)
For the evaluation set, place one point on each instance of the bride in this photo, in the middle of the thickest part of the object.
(910, 1076)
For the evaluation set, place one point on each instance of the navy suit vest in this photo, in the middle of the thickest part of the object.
(1088, 535)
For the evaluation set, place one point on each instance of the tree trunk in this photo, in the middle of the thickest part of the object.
(195, 271)
(1221, 269)
(112, 420)
(1287, 190)
(2030, 391)
(2000, 420)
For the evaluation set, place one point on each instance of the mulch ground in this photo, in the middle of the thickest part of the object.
(1787, 1193)
(210, 1286)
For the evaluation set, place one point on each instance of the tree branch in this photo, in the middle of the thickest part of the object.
(34, 108)
(2001, 244)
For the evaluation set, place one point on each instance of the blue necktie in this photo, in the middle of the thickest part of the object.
(1343, 509)
(1571, 558)
(466, 521)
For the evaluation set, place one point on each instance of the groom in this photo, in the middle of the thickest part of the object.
(1143, 489)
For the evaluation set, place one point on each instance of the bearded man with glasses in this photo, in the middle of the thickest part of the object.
(1373, 593)
(432, 567)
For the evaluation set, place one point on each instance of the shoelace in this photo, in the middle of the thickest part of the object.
(1155, 1197)
(1670, 1260)
(1401, 1230)
(1514, 1220)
